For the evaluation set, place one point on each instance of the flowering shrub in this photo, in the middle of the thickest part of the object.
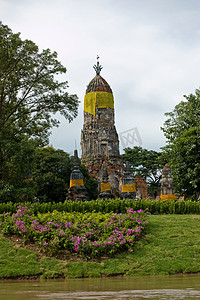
(87, 234)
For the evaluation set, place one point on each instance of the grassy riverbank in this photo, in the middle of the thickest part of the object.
(171, 245)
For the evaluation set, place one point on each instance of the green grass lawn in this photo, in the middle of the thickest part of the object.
(16, 261)
(171, 245)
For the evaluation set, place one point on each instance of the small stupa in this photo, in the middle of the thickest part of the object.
(128, 184)
(77, 190)
(167, 187)
(105, 186)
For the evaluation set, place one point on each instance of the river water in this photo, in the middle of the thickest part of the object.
(153, 287)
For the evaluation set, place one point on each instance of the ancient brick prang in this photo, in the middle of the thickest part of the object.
(99, 138)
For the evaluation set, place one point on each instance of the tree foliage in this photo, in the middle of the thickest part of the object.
(51, 174)
(182, 130)
(147, 164)
(30, 95)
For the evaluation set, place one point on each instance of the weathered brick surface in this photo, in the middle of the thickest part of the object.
(77, 193)
(142, 186)
(98, 84)
(114, 168)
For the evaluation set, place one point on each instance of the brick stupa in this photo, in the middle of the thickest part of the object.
(77, 190)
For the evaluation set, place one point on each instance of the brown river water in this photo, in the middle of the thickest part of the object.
(153, 287)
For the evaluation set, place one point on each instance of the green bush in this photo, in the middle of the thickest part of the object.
(110, 205)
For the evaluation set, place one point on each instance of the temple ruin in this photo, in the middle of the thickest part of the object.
(100, 142)
(99, 138)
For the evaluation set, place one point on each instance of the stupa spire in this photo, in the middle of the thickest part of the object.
(98, 67)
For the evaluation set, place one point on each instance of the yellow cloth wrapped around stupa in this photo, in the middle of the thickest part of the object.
(168, 197)
(105, 186)
(128, 188)
(76, 182)
(101, 99)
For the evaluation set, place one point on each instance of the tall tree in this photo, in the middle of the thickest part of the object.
(182, 130)
(147, 164)
(30, 95)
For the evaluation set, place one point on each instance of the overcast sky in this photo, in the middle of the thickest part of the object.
(149, 49)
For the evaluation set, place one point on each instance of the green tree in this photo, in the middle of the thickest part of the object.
(147, 164)
(19, 157)
(30, 95)
(51, 174)
(182, 130)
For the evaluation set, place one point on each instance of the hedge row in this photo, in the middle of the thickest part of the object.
(108, 205)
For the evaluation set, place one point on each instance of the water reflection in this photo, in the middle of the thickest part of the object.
(166, 287)
(132, 294)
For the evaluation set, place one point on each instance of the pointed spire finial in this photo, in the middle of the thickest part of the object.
(76, 163)
(98, 67)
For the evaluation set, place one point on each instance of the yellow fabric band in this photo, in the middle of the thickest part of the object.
(105, 186)
(168, 197)
(76, 182)
(90, 103)
(102, 99)
(128, 188)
